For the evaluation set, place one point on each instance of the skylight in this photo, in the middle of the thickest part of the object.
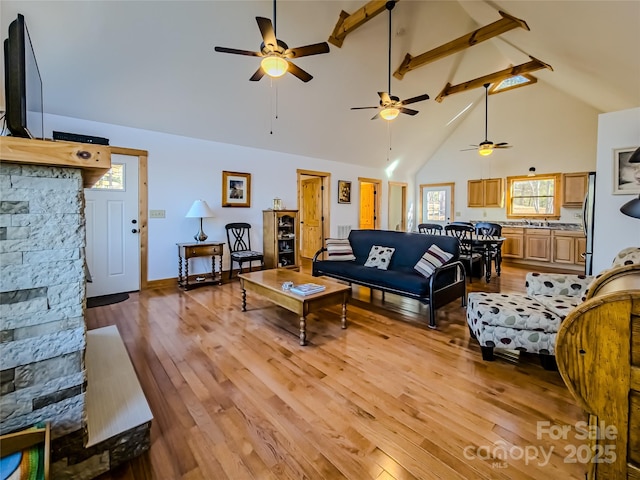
(512, 82)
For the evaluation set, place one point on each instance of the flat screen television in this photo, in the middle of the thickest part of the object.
(23, 84)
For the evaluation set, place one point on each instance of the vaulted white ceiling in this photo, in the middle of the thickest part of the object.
(151, 65)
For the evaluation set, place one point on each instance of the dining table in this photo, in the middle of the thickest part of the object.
(486, 245)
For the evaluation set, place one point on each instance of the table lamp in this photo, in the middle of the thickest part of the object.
(200, 210)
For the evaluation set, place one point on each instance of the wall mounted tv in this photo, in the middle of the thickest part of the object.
(23, 84)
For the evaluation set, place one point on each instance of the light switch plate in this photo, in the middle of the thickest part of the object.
(157, 214)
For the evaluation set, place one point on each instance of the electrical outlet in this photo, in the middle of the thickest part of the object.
(484, 213)
(157, 214)
(578, 216)
(458, 214)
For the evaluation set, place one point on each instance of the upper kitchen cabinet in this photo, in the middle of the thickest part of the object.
(487, 192)
(574, 189)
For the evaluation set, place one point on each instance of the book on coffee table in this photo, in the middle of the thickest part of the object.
(307, 288)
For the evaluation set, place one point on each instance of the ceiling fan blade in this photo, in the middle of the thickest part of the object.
(384, 96)
(258, 75)
(235, 51)
(376, 116)
(500, 145)
(268, 35)
(298, 72)
(315, 49)
(408, 111)
(362, 108)
(419, 98)
(467, 149)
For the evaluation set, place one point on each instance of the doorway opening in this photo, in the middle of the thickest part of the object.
(398, 206)
(436, 203)
(133, 216)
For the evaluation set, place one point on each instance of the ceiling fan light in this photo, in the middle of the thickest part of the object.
(274, 66)
(389, 113)
(485, 150)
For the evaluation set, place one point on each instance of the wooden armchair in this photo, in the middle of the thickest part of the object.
(598, 356)
(239, 241)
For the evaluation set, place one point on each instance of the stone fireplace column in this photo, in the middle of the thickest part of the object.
(42, 298)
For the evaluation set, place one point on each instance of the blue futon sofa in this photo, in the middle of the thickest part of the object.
(445, 285)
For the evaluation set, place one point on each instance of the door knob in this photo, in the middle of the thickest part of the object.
(134, 221)
(134, 231)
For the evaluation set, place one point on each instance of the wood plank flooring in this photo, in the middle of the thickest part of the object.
(234, 396)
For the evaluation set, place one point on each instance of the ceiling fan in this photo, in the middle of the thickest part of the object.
(390, 105)
(486, 147)
(276, 54)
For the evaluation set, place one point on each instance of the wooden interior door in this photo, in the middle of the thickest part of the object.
(311, 216)
(367, 206)
(370, 189)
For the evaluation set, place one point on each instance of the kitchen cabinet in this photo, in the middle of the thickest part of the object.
(280, 239)
(574, 189)
(513, 246)
(568, 247)
(537, 244)
(487, 192)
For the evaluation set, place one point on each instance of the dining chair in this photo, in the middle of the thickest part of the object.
(430, 228)
(472, 261)
(239, 241)
(486, 230)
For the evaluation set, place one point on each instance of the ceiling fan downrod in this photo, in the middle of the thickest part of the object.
(390, 4)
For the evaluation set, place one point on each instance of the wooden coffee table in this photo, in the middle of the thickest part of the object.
(268, 283)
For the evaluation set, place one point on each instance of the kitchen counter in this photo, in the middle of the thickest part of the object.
(542, 225)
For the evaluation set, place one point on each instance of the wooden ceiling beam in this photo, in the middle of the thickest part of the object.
(506, 23)
(347, 23)
(528, 67)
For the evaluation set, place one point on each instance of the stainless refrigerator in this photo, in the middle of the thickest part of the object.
(588, 214)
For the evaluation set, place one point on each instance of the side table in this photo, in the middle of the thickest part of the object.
(199, 249)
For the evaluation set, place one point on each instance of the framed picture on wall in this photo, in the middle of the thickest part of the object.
(626, 171)
(344, 191)
(236, 189)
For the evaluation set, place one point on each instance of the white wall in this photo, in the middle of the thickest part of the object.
(613, 230)
(548, 130)
(183, 169)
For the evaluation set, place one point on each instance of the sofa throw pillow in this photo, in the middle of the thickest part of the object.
(433, 258)
(339, 249)
(379, 257)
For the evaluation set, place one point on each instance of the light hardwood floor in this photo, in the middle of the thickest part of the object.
(235, 396)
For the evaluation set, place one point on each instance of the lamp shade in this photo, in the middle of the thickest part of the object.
(485, 150)
(389, 113)
(632, 207)
(199, 209)
(274, 66)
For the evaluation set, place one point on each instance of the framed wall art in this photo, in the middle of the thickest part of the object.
(236, 189)
(626, 171)
(344, 191)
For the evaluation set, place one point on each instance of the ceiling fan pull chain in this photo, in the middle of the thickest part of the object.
(271, 109)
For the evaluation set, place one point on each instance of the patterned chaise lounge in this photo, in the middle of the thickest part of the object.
(530, 322)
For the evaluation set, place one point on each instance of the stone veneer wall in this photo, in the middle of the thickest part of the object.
(42, 298)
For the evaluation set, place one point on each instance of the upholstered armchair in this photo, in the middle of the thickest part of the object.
(530, 322)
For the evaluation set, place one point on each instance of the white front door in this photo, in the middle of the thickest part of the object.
(113, 240)
(436, 202)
